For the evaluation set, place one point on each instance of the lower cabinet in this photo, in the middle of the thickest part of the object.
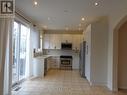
(53, 62)
(38, 67)
(48, 63)
(41, 65)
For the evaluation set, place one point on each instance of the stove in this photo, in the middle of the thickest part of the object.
(66, 62)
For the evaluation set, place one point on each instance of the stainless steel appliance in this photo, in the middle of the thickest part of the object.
(66, 62)
(82, 59)
(66, 46)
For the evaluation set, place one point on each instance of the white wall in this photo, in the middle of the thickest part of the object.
(96, 58)
(99, 49)
(34, 44)
(88, 52)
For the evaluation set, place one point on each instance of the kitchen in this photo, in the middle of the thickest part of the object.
(65, 51)
(59, 46)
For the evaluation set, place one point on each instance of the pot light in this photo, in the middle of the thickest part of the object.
(96, 4)
(35, 3)
(83, 19)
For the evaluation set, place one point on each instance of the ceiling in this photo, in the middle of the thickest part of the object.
(66, 14)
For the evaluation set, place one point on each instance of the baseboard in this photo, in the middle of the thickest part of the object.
(123, 87)
(99, 84)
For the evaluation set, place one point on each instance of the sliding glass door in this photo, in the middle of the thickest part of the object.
(20, 37)
(15, 53)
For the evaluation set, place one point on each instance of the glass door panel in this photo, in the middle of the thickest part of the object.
(20, 39)
(23, 45)
(15, 53)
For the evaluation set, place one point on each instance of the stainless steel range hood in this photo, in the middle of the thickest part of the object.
(66, 46)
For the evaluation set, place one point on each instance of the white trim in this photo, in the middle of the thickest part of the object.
(10, 59)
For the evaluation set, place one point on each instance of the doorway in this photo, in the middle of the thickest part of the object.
(20, 43)
(122, 57)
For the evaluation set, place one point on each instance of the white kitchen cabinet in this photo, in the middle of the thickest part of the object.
(46, 41)
(52, 41)
(54, 62)
(48, 63)
(55, 41)
(76, 41)
(58, 41)
(67, 38)
(38, 67)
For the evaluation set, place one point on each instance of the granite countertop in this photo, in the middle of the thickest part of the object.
(42, 57)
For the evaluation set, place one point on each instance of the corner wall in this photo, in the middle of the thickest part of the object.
(122, 57)
(115, 21)
(99, 49)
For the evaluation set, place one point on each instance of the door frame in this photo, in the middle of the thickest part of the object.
(19, 40)
(115, 53)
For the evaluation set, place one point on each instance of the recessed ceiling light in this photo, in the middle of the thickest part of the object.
(96, 4)
(83, 19)
(35, 3)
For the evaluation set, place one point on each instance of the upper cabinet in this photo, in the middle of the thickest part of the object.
(46, 41)
(66, 38)
(77, 39)
(53, 41)
(58, 41)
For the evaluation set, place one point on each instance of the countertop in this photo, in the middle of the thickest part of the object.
(44, 56)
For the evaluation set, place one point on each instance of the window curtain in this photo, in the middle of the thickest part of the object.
(6, 27)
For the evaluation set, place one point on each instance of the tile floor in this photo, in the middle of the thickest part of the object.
(62, 82)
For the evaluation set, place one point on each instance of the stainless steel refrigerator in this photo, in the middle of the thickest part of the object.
(82, 59)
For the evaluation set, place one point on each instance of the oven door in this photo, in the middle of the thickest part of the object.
(66, 64)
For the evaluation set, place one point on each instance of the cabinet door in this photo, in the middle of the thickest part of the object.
(57, 41)
(54, 62)
(67, 38)
(52, 41)
(46, 41)
(48, 63)
(76, 41)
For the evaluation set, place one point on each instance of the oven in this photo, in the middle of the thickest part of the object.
(66, 62)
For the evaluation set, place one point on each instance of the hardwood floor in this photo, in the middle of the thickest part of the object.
(62, 82)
